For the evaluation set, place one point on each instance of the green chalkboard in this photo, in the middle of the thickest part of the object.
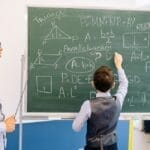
(66, 45)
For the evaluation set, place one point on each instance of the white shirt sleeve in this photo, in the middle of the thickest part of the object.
(2, 127)
(82, 116)
(123, 86)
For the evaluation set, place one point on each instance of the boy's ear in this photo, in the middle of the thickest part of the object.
(113, 86)
(92, 83)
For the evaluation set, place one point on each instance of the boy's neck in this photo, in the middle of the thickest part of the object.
(102, 94)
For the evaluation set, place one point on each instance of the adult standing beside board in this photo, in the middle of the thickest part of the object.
(6, 125)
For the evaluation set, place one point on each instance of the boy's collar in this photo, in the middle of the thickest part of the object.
(103, 94)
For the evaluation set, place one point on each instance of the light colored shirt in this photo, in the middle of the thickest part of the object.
(2, 136)
(85, 110)
(2, 130)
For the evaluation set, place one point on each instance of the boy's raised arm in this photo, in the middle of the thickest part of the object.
(123, 82)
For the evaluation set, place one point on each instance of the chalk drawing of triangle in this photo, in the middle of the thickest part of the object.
(57, 33)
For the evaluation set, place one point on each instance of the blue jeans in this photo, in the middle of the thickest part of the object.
(110, 147)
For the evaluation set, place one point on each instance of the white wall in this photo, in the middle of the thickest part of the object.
(86, 3)
(13, 35)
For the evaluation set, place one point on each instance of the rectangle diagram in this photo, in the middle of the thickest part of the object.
(136, 40)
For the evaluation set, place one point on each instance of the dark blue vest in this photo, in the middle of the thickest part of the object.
(103, 121)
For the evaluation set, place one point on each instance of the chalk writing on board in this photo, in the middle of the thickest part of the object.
(147, 66)
(77, 79)
(49, 15)
(80, 65)
(44, 84)
(65, 46)
(138, 55)
(108, 35)
(143, 26)
(134, 79)
(142, 102)
(96, 21)
(46, 59)
(56, 33)
(137, 40)
(84, 48)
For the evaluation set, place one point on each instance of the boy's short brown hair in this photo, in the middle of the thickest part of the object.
(103, 79)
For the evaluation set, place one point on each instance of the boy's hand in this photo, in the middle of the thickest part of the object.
(10, 124)
(118, 60)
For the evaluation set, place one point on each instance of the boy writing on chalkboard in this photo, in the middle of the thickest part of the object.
(6, 124)
(102, 113)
